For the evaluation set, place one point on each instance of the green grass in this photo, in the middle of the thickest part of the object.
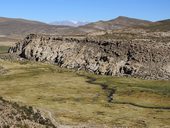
(71, 99)
(147, 93)
(137, 92)
(4, 49)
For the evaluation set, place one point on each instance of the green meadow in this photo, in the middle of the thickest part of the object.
(77, 97)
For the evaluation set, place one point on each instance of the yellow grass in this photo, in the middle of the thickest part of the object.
(72, 100)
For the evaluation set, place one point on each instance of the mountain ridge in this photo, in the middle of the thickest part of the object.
(117, 23)
(18, 27)
(22, 27)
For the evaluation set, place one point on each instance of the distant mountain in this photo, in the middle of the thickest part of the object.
(69, 23)
(163, 25)
(5, 20)
(118, 23)
(21, 27)
(12, 27)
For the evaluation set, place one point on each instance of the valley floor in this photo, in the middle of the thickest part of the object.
(73, 98)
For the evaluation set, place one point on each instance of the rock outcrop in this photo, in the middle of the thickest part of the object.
(141, 57)
(16, 116)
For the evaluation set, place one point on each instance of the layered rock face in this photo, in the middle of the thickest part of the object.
(138, 57)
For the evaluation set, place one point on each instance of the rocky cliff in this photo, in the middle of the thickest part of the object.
(142, 57)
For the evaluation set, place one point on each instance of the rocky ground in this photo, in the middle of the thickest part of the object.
(134, 53)
(16, 116)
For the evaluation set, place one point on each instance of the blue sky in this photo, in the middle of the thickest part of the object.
(84, 10)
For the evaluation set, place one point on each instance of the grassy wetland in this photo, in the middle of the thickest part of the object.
(72, 97)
